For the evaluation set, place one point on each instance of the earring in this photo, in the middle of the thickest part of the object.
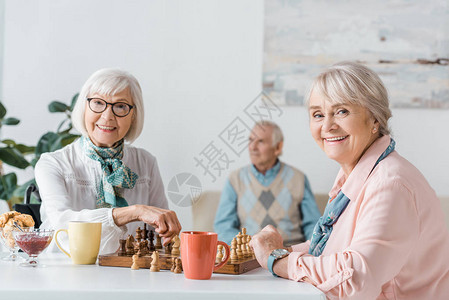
(374, 129)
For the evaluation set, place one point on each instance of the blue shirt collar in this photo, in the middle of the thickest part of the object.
(269, 174)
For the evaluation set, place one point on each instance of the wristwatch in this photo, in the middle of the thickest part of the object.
(274, 256)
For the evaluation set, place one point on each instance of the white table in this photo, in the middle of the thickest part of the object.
(60, 279)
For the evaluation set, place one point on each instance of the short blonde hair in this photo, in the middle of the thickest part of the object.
(110, 82)
(350, 82)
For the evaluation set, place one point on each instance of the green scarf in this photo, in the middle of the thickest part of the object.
(115, 174)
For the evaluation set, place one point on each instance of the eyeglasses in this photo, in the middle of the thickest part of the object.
(120, 109)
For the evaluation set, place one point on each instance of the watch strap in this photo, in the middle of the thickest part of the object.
(270, 263)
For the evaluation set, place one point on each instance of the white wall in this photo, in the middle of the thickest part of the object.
(199, 64)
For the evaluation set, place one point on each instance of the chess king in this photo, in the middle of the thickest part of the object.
(267, 192)
(101, 177)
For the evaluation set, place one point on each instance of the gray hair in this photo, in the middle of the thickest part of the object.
(110, 82)
(350, 82)
(277, 136)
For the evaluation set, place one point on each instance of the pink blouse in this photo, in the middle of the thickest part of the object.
(391, 242)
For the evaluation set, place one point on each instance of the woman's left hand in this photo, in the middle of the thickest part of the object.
(264, 242)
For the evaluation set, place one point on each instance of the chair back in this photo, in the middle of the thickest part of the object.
(32, 209)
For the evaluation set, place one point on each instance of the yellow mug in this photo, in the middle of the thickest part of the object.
(84, 242)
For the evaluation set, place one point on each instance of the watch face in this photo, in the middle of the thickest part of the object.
(280, 252)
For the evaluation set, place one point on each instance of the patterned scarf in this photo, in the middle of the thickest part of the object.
(334, 209)
(115, 174)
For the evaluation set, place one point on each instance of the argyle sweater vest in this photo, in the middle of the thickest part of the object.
(277, 204)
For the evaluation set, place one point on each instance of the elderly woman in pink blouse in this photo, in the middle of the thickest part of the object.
(383, 234)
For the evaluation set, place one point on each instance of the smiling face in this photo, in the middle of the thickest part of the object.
(105, 129)
(343, 131)
(262, 153)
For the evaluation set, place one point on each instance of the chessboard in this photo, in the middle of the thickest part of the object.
(241, 261)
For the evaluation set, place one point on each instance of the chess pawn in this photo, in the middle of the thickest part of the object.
(151, 237)
(158, 245)
(135, 265)
(175, 247)
(178, 267)
(219, 256)
(234, 257)
(129, 245)
(244, 252)
(239, 246)
(250, 251)
(144, 231)
(173, 264)
(155, 262)
(122, 249)
(244, 231)
(138, 234)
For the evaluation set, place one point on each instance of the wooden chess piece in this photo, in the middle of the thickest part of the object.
(158, 245)
(122, 249)
(234, 257)
(151, 237)
(178, 267)
(219, 256)
(244, 253)
(239, 246)
(144, 231)
(167, 249)
(144, 247)
(175, 247)
(135, 265)
(250, 250)
(129, 245)
(173, 264)
(138, 234)
(155, 267)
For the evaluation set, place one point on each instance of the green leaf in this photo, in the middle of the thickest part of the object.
(10, 121)
(56, 106)
(68, 139)
(46, 143)
(8, 183)
(24, 149)
(9, 142)
(13, 157)
(74, 98)
(59, 130)
(2, 111)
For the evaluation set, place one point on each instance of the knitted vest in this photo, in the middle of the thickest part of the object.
(277, 204)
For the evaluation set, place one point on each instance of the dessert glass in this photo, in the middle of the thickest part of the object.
(33, 241)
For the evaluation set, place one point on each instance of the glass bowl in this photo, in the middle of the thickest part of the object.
(8, 241)
(33, 241)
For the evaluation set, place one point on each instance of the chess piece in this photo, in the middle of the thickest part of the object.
(175, 247)
(138, 234)
(144, 231)
(158, 245)
(155, 267)
(122, 249)
(234, 257)
(151, 237)
(173, 264)
(219, 256)
(167, 249)
(244, 253)
(144, 247)
(239, 246)
(129, 245)
(178, 267)
(250, 250)
(135, 265)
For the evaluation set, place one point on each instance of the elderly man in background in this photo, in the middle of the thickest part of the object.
(267, 192)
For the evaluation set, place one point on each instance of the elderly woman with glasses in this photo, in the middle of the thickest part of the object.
(99, 178)
(382, 234)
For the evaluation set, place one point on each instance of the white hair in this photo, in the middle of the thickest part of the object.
(350, 82)
(277, 135)
(110, 82)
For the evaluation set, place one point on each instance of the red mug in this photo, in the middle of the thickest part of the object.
(198, 252)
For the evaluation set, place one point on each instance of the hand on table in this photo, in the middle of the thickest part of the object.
(264, 242)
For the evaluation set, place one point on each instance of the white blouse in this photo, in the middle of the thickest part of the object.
(68, 182)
